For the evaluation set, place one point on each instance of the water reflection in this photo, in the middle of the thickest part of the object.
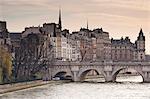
(129, 79)
(119, 78)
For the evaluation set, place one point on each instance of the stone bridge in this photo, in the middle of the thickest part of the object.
(78, 70)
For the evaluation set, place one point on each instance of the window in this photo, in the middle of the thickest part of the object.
(141, 56)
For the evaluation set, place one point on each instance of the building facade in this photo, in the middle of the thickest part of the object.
(4, 36)
(5, 50)
(99, 47)
(125, 50)
(88, 45)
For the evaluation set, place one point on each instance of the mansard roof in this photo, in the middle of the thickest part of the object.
(121, 41)
(98, 30)
(49, 24)
(65, 33)
(15, 35)
(85, 30)
(31, 30)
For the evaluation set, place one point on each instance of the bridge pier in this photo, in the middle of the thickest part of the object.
(75, 70)
(146, 78)
(108, 73)
(75, 77)
(108, 79)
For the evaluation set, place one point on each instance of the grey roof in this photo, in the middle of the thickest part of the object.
(15, 35)
(121, 41)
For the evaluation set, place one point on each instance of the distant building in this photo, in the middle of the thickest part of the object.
(95, 44)
(103, 45)
(101, 48)
(31, 30)
(15, 38)
(83, 45)
(51, 28)
(3, 30)
(5, 46)
(125, 50)
(4, 36)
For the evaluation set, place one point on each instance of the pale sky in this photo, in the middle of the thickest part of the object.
(118, 17)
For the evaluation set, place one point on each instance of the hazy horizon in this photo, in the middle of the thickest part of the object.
(120, 17)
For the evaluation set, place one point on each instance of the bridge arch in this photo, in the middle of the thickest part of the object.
(117, 71)
(62, 73)
(82, 73)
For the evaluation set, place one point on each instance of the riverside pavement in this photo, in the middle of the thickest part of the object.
(24, 85)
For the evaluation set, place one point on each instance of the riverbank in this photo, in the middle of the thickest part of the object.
(25, 85)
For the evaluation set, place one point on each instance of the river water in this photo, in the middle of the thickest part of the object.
(87, 90)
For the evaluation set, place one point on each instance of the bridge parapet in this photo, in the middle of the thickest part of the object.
(108, 68)
(70, 63)
(146, 69)
(66, 63)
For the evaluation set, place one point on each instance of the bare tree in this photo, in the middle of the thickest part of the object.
(33, 55)
(84, 48)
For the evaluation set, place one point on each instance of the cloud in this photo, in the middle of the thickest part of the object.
(16, 9)
(120, 7)
(129, 8)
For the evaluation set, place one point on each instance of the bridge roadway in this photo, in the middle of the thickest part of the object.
(78, 70)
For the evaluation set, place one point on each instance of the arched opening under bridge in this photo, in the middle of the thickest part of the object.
(91, 75)
(62, 75)
(128, 75)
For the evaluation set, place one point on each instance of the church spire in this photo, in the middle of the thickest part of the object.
(141, 35)
(59, 22)
(87, 25)
(141, 32)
